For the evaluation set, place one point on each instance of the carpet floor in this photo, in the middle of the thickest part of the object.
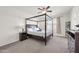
(54, 45)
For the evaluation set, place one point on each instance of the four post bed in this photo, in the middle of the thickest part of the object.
(43, 35)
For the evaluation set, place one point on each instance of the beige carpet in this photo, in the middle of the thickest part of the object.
(54, 45)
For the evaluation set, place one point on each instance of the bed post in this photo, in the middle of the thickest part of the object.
(52, 28)
(45, 30)
(26, 27)
(37, 23)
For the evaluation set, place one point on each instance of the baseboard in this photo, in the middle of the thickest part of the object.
(9, 43)
(59, 35)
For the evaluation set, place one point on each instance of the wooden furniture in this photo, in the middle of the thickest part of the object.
(45, 19)
(22, 36)
(73, 41)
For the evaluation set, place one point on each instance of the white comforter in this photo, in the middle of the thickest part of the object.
(38, 33)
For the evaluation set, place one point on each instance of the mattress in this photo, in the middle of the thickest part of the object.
(39, 33)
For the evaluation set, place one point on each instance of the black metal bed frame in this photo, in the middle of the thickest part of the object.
(39, 37)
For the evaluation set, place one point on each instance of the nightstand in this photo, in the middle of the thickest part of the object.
(22, 36)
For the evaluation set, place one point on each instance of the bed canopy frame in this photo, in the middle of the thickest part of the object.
(45, 20)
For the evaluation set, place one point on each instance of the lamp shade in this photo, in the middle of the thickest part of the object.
(21, 27)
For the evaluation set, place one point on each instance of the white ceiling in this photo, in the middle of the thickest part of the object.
(56, 10)
(60, 10)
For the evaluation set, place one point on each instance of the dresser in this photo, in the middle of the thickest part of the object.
(73, 41)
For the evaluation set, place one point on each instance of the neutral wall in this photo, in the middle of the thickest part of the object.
(74, 17)
(10, 20)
